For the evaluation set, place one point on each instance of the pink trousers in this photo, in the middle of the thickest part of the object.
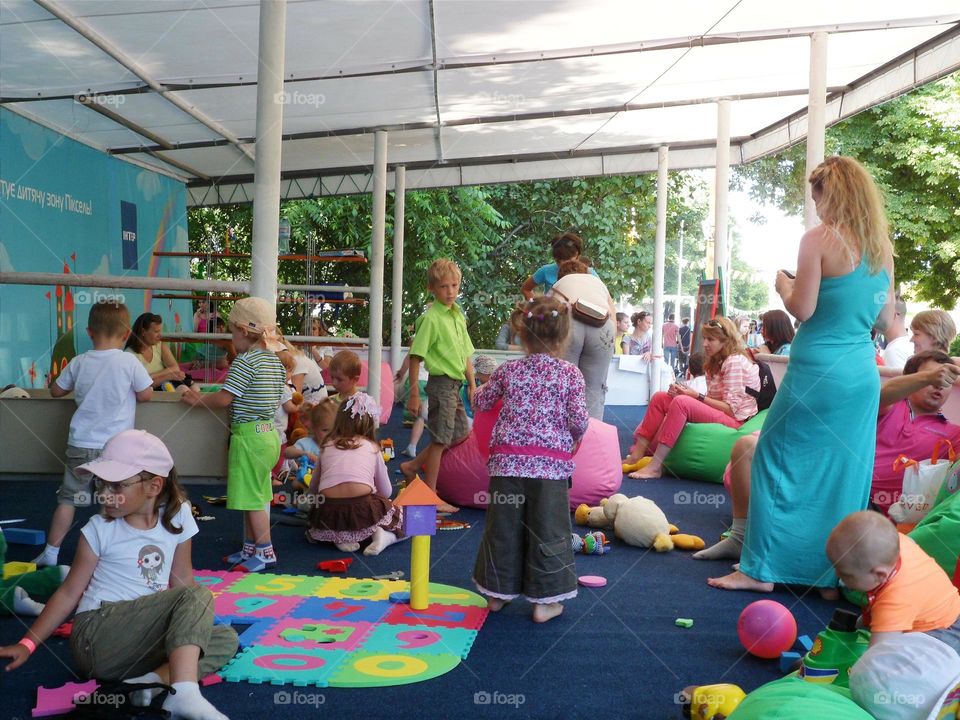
(667, 415)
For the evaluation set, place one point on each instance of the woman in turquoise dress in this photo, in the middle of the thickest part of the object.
(814, 460)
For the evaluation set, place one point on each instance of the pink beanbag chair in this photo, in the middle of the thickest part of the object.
(464, 480)
(386, 388)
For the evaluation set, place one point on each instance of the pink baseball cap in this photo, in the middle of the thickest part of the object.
(129, 453)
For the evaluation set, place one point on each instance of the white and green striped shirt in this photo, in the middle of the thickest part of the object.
(256, 378)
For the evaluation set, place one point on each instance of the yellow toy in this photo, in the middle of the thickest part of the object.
(637, 521)
(386, 447)
(711, 702)
(633, 467)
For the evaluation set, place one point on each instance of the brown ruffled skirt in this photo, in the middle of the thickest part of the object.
(346, 520)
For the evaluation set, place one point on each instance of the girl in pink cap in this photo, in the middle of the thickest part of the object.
(133, 570)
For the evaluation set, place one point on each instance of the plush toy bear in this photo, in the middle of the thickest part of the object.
(637, 521)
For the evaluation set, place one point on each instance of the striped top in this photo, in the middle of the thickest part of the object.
(256, 378)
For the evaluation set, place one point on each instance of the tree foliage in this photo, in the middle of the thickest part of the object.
(911, 145)
(498, 234)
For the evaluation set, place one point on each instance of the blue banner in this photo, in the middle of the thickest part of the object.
(128, 235)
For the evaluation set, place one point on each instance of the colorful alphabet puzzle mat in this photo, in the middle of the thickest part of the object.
(339, 631)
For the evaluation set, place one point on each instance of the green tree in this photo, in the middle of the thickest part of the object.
(911, 145)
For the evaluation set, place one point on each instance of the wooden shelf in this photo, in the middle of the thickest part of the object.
(227, 298)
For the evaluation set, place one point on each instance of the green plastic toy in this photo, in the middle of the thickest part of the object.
(835, 651)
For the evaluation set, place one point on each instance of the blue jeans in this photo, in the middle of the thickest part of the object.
(670, 355)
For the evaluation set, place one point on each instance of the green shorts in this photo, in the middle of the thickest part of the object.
(254, 449)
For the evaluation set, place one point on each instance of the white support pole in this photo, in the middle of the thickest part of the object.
(660, 248)
(721, 251)
(816, 119)
(376, 262)
(399, 198)
(266, 187)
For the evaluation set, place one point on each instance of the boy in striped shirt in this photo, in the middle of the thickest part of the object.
(252, 392)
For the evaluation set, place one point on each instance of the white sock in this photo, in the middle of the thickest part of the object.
(411, 450)
(382, 539)
(23, 605)
(47, 557)
(190, 704)
(143, 698)
(347, 547)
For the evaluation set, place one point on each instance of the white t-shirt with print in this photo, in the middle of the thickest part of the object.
(132, 563)
(314, 389)
(104, 384)
(281, 416)
(897, 352)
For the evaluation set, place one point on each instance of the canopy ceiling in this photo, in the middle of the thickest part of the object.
(471, 91)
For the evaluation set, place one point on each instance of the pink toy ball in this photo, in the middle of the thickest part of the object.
(766, 628)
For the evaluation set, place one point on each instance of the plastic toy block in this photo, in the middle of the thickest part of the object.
(401, 596)
(278, 666)
(65, 630)
(14, 568)
(788, 660)
(805, 642)
(58, 701)
(683, 622)
(25, 536)
(341, 565)
(211, 679)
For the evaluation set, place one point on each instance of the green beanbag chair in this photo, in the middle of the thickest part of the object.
(939, 532)
(703, 449)
(791, 698)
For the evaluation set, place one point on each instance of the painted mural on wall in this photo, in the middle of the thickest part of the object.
(66, 207)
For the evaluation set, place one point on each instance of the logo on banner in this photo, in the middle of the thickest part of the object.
(128, 235)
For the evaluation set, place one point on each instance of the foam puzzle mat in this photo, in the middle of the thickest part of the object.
(339, 631)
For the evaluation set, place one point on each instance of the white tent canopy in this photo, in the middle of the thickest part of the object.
(470, 91)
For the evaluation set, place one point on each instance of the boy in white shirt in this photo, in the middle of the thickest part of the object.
(107, 384)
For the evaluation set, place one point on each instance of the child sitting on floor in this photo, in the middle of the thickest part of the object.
(351, 491)
(906, 590)
(139, 610)
(345, 369)
(307, 450)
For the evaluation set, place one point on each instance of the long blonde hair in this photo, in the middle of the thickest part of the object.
(723, 329)
(851, 201)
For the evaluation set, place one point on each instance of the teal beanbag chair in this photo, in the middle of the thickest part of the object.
(791, 698)
(939, 532)
(703, 449)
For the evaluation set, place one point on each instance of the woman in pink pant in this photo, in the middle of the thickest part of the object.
(730, 373)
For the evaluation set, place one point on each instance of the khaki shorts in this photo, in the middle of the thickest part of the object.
(73, 490)
(446, 417)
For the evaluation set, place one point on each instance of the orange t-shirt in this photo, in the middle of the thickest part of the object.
(920, 597)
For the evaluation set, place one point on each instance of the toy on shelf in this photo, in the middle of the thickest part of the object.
(637, 521)
(419, 505)
(835, 650)
(594, 543)
(766, 628)
(710, 702)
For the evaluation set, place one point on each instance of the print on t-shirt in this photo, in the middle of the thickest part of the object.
(150, 559)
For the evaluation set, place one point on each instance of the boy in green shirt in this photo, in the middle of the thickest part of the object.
(443, 345)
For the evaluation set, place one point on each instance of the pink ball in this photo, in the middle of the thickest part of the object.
(766, 628)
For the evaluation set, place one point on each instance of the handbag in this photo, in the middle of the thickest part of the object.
(587, 312)
(921, 483)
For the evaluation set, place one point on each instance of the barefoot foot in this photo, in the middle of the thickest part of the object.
(447, 509)
(496, 604)
(738, 581)
(542, 612)
(409, 469)
(650, 472)
(830, 594)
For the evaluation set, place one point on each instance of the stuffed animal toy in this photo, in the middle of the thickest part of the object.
(594, 543)
(593, 517)
(638, 521)
(295, 428)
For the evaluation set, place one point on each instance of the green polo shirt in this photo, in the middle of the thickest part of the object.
(442, 341)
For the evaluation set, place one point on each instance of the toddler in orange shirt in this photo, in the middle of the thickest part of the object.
(907, 591)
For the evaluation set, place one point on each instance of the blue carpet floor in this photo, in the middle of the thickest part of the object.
(615, 651)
